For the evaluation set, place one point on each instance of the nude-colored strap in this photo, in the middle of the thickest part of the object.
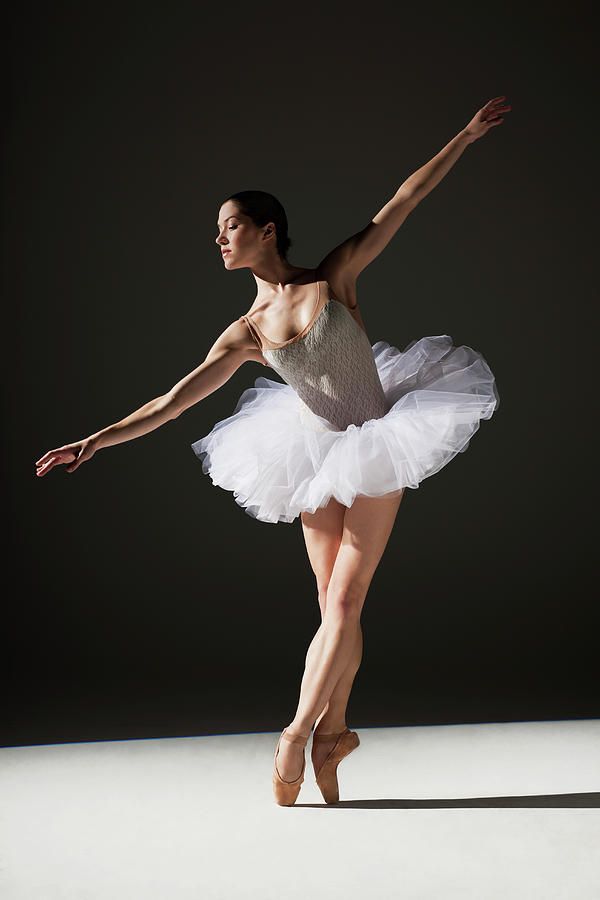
(253, 329)
(268, 344)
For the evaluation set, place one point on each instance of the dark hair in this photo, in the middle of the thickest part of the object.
(262, 207)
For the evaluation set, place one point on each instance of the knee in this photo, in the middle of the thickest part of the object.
(345, 602)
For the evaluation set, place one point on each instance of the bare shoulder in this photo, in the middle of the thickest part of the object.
(340, 279)
(237, 338)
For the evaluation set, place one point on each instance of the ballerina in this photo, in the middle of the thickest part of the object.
(337, 443)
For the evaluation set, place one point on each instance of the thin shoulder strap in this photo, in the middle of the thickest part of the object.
(263, 341)
(262, 336)
(254, 331)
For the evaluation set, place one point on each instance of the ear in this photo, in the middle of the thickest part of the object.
(269, 231)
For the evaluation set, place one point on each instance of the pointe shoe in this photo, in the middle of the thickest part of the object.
(346, 742)
(286, 791)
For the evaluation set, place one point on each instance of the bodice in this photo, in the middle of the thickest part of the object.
(330, 366)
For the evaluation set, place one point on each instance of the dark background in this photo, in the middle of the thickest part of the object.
(140, 599)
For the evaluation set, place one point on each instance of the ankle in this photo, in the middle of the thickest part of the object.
(320, 718)
(331, 725)
(300, 730)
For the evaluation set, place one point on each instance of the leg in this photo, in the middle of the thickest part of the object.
(323, 536)
(333, 718)
(366, 530)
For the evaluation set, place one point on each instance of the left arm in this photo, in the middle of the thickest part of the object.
(421, 182)
(349, 259)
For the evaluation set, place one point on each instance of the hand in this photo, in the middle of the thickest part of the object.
(72, 454)
(488, 116)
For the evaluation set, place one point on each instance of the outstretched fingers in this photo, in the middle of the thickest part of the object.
(53, 458)
(492, 112)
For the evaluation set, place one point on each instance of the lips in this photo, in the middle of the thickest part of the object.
(223, 252)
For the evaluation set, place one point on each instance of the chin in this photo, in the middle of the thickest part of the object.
(233, 264)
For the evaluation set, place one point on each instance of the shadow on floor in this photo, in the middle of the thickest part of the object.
(549, 801)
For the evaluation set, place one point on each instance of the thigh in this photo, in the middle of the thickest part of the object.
(367, 527)
(323, 535)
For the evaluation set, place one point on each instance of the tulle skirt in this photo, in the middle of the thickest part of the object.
(279, 458)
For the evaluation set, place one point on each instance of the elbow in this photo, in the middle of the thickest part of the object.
(413, 197)
(411, 194)
(171, 406)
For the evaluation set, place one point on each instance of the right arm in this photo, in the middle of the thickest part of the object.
(232, 348)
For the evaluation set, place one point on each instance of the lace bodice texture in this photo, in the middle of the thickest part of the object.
(329, 365)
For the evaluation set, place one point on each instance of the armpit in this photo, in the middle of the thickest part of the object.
(345, 296)
(256, 356)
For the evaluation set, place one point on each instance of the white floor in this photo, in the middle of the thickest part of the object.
(444, 812)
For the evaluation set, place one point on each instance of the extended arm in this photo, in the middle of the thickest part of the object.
(226, 355)
(354, 254)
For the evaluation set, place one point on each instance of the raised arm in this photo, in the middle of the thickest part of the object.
(347, 260)
(233, 347)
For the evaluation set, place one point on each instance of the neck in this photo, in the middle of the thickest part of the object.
(273, 276)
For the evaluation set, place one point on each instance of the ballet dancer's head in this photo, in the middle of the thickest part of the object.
(253, 226)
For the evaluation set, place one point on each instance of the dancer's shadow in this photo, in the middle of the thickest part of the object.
(550, 801)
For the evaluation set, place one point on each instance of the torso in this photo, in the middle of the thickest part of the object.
(329, 363)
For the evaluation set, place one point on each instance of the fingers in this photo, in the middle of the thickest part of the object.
(493, 115)
(494, 120)
(489, 115)
(494, 109)
(59, 460)
(50, 453)
(51, 461)
(56, 457)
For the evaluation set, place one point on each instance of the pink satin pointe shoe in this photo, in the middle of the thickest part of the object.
(286, 791)
(346, 742)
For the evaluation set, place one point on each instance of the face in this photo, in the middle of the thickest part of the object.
(243, 240)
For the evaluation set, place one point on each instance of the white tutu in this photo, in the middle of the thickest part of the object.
(279, 458)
